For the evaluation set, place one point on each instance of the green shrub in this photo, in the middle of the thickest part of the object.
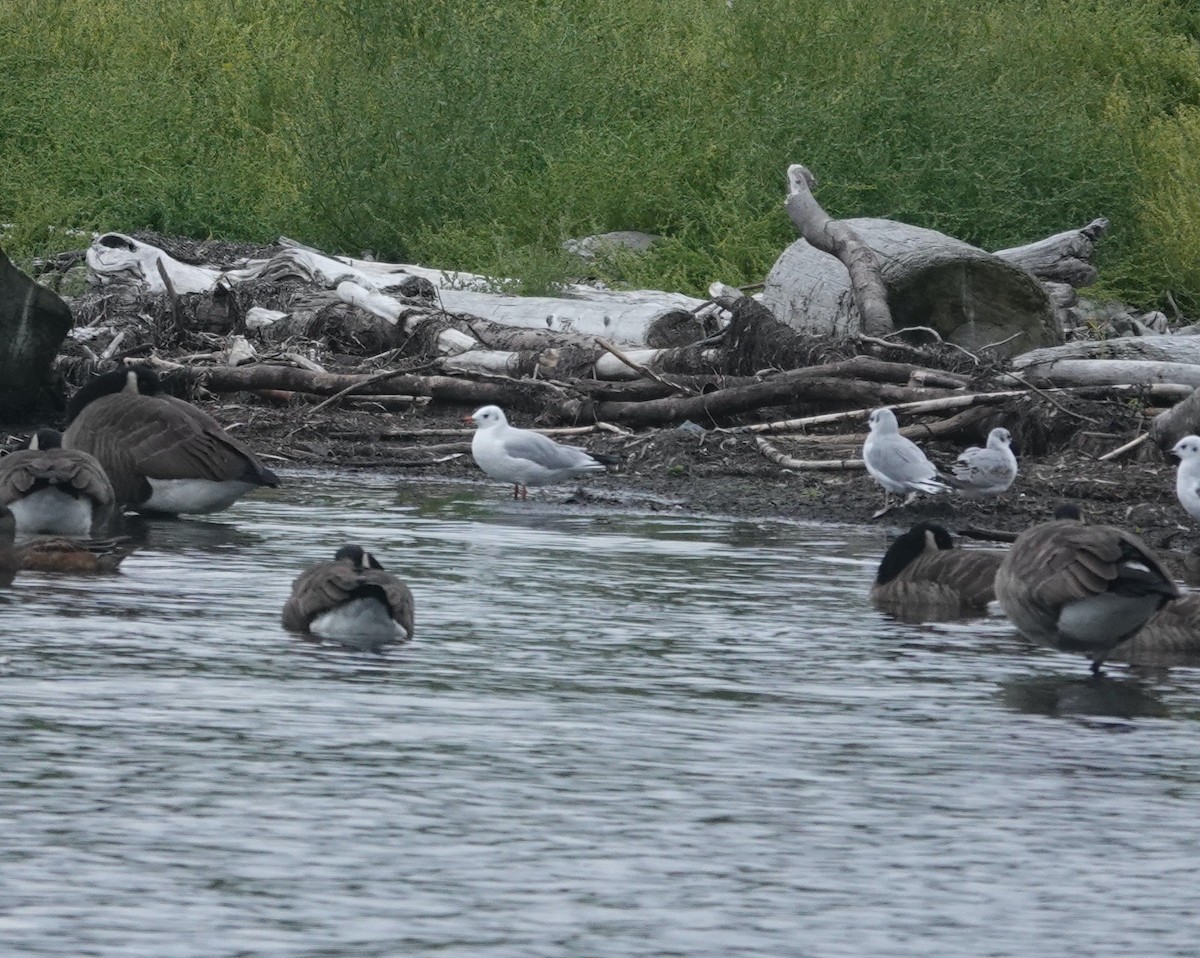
(479, 135)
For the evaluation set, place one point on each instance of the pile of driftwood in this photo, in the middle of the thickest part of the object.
(856, 314)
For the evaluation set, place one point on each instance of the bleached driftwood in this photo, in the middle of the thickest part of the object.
(1062, 258)
(971, 297)
(1110, 372)
(636, 317)
(1163, 349)
(839, 239)
(1182, 419)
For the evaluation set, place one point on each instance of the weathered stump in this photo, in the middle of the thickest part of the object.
(969, 296)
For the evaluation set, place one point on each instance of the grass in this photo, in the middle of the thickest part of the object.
(479, 135)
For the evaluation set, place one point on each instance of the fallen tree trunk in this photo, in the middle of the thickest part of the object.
(637, 317)
(1109, 372)
(1163, 349)
(839, 239)
(970, 297)
(1062, 258)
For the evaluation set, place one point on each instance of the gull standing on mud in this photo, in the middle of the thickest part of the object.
(1187, 477)
(897, 463)
(986, 471)
(521, 456)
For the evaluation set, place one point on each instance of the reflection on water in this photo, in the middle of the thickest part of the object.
(614, 735)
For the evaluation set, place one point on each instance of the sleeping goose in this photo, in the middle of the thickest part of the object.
(1081, 588)
(51, 490)
(896, 462)
(161, 454)
(1171, 637)
(55, 553)
(351, 598)
(922, 577)
(522, 456)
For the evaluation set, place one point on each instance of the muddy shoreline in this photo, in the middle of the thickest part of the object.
(712, 472)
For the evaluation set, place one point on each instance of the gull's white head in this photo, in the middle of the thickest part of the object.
(1187, 448)
(486, 416)
(999, 437)
(883, 420)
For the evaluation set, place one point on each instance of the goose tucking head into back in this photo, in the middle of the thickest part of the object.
(1081, 588)
(51, 490)
(160, 453)
(351, 599)
(922, 577)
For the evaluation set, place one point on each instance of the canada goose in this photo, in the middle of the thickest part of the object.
(897, 463)
(923, 577)
(51, 490)
(55, 553)
(1081, 588)
(986, 471)
(521, 456)
(1172, 636)
(350, 598)
(161, 454)
(1187, 476)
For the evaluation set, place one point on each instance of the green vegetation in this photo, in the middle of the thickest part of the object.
(478, 134)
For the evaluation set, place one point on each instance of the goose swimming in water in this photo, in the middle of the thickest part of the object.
(922, 577)
(351, 598)
(51, 490)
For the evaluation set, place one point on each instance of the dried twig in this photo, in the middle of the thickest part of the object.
(1121, 450)
(638, 367)
(824, 465)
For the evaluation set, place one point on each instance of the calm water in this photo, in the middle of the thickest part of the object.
(615, 735)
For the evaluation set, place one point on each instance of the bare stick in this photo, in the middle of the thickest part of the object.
(638, 367)
(354, 387)
(1121, 450)
(812, 465)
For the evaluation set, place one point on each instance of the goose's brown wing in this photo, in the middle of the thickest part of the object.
(1062, 562)
(399, 597)
(941, 583)
(1171, 636)
(139, 437)
(329, 584)
(22, 470)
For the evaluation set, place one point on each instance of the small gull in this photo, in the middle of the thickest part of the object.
(986, 471)
(1187, 478)
(522, 456)
(897, 463)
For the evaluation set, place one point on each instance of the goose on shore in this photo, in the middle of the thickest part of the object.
(986, 471)
(161, 454)
(51, 490)
(522, 456)
(351, 599)
(1080, 587)
(896, 462)
(922, 577)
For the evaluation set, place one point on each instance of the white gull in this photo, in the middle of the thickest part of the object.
(521, 456)
(986, 471)
(897, 463)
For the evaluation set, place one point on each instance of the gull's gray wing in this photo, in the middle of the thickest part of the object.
(901, 460)
(544, 451)
(982, 467)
